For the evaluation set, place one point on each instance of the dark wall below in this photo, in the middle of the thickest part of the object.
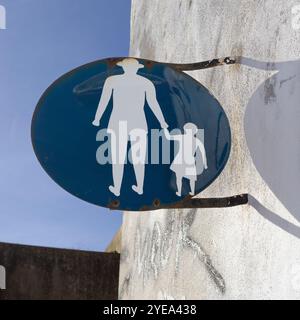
(48, 273)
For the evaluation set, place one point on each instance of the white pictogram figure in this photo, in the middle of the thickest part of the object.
(184, 164)
(130, 91)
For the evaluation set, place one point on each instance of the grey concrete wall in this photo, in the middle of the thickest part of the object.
(48, 273)
(246, 252)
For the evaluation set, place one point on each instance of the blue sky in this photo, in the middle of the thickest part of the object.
(43, 40)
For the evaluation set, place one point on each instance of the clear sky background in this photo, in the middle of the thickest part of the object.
(43, 40)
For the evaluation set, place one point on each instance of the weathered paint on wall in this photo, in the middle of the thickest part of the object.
(246, 252)
(48, 273)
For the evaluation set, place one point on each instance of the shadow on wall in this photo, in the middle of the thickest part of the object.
(274, 218)
(272, 129)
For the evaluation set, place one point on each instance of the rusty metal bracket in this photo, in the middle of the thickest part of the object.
(204, 64)
(232, 201)
(194, 203)
(252, 63)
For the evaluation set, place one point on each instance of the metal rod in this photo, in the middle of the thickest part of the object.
(252, 63)
(232, 201)
(204, 64)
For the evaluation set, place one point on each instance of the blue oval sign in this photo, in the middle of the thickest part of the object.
(130, 134)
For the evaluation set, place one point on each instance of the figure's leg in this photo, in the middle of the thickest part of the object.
(138, 153)
(118, 153)
(192, 186)
(179, 184)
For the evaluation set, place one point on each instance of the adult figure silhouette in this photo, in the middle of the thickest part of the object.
(130, 91)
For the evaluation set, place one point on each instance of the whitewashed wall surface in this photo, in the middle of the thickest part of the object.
(244, 252)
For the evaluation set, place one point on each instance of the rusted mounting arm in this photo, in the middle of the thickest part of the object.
(204, 64)
(232, 201)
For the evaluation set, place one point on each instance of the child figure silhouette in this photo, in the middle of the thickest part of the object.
(184, 164)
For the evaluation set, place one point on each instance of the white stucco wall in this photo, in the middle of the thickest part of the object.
(233, 253)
